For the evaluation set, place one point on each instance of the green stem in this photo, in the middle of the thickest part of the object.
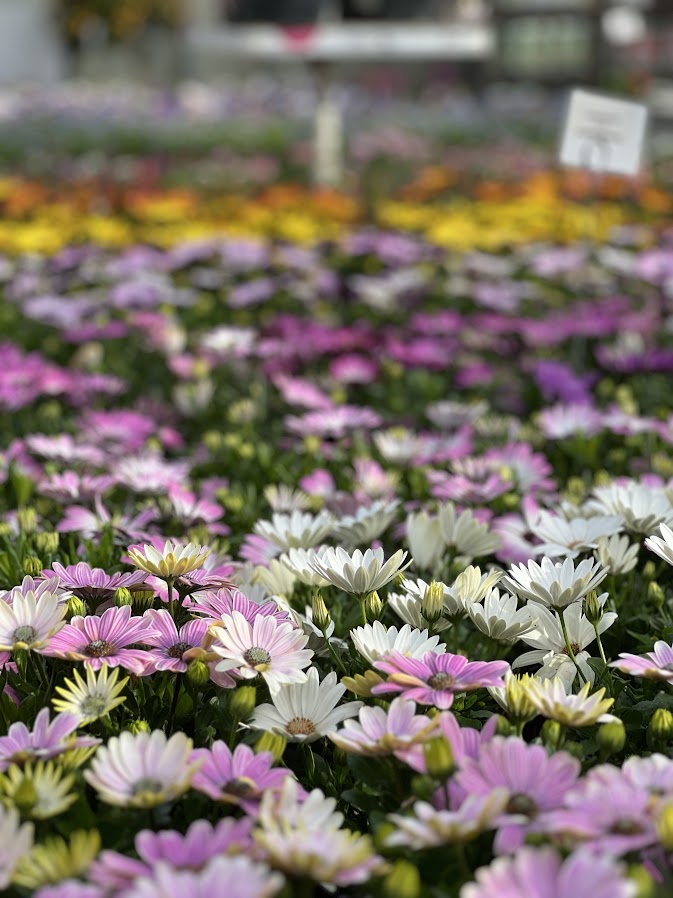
(309, 761)
(569, 647)
(363, 611)
(600, 645)
(36, 668)
(171, 603)
(174, 704)
(337, 660)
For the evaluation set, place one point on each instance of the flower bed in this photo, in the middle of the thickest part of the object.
(335, 546)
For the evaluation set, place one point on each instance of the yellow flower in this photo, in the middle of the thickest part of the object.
(94, 698)
(581, 710)
(56, 859)
(38, 791)
(174, 561)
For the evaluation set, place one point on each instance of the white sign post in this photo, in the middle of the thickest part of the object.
(603, 134)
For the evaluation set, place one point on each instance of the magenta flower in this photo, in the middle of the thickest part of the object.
(92, 584)
(434, 679)
(655, 665)
(168, 645)
(104, 640)
(233, 877)
(535, 781)
(240, 777)
(70, 888)
(191, 851)
(45, 741)
(616, 820)
(216, 605)
(542, 873)
(392, 732)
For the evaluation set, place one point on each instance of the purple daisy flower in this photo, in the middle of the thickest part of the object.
(202, 841)
(92, 584)
(435, 679)
(216, 605)
(168, 645)
(233, 877)
(46, 740)
(240, 777)
(655, 665)
(536, 873)
(104, 640)
(536, 783)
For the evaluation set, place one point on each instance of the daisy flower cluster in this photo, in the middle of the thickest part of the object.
(335, 559)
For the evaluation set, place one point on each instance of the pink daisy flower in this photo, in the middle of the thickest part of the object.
(92, 584)
(216, 605)
(191, 851)
(70, 888)
(533, 873)
(45, 741)
(465, 742)
(535, 782)
(272, 648)
(104, 640)
(392, 732)
(655, 665)
(434, 679)
(240, 777)
(168, 645)
(222, 877)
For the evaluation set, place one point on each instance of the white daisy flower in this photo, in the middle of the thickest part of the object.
(298, 561)
(425, 539)
(581, 710)
(617, 554)
(298, 530)
(398, 445)
(549, 644)
(304, 712)
(376, 640)
(568, 538)
(174, 561)
(267, 646)
(641, 507)
(663, 547)
(499, 618)
(29, 622)
(16, 841)
(467, 535)
(556, 585)
(277, 578)
(359, 573)
(409, 606)
(366, 525)
(284, 500)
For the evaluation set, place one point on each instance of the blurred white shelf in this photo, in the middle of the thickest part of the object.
(334, 42)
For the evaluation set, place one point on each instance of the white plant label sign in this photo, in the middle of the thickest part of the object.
(603, 134)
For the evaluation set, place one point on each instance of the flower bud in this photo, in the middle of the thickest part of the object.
(664, 826)
(46, 542)
(611, 738)
(373, 607)
(660, 728)
(649, 571)
(123, 597)
(403, 881)
(271, 742)
(576, 749)
(643, 880)
(362, 684)
(320, 614)
(551, 733)
(520, 709)
(242, 702)
(75, 608)
(198, 673)
(433, 602)
(26, 518)
(593, 608)
(25, 795)
(438, 756)
(655, 595)
(139, 726)
(32, 565)
(5, 529)
(423, 787)
(502, 726)
(143, 598)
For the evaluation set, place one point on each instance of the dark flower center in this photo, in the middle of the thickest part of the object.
(300, 726)
(574, 646)
(626, 827)
(178, 650)
(521, 804)
(256, 655)
(240, 786)
(441, 680)
(24, 634)
(99, 648)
